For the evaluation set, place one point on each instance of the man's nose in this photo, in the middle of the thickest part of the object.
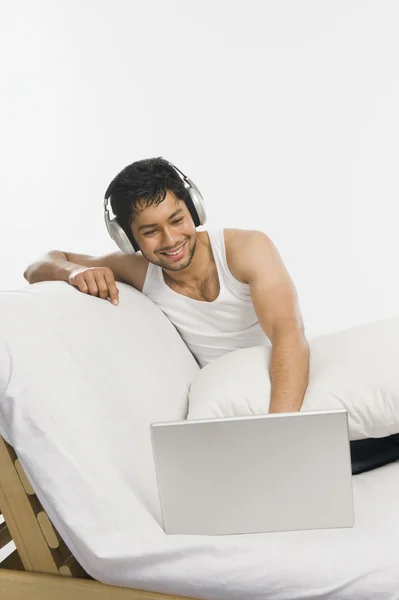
(168, 238)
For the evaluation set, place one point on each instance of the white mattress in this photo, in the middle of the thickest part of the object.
(82, 436)
(120, 542)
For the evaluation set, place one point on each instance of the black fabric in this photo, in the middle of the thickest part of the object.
(373, 453)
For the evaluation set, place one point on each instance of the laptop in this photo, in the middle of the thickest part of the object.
(263, 473)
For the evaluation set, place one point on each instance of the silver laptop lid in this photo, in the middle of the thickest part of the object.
(273, 472)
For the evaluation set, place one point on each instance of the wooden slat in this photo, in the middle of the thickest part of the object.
(67, 563)
(22, 475)
(49, 532)
(20, 517)
(62, 560)
(71, 568)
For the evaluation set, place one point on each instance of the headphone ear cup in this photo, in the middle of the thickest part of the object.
(192, 210)
(196, 204)
(121, 239)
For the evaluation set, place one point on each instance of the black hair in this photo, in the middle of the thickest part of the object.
(145, 181)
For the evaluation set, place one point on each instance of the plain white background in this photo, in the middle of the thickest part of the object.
(284, 113)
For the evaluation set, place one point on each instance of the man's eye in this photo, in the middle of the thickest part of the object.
(178, 221)
(149, 233)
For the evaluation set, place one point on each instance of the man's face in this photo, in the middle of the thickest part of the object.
(166, 233)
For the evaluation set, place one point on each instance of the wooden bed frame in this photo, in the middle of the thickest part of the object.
(41, 567)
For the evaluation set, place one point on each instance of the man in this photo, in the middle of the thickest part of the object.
(222, 290)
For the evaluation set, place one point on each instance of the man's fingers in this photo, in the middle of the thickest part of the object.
(97, 282)
(82, 285)
(112, 289)
(91, 283)
(102, 286)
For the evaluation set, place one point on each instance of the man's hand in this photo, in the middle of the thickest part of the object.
(96, 281)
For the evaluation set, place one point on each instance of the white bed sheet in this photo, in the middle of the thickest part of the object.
(82, 436)
(118, 541)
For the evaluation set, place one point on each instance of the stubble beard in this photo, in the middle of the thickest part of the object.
(164, 264)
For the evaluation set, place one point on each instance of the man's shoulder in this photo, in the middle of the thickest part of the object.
(238, 239)
(242, 247)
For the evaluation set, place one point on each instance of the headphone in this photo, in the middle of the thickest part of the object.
(126, 242)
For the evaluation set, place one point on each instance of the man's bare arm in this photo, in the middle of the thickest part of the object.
(275, 300)
(95, 275)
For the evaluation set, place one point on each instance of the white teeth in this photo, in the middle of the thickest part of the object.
(174, 253)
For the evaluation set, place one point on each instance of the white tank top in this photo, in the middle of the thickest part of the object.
(210, 329)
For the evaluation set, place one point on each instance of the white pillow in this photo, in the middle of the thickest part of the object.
(356, 369)
(80, 382)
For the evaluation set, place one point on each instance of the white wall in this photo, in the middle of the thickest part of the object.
(284, 113)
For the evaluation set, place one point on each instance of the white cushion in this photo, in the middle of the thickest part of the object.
(356, 369)
(80, 382)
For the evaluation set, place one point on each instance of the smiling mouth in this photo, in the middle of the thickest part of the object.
(175, 253)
